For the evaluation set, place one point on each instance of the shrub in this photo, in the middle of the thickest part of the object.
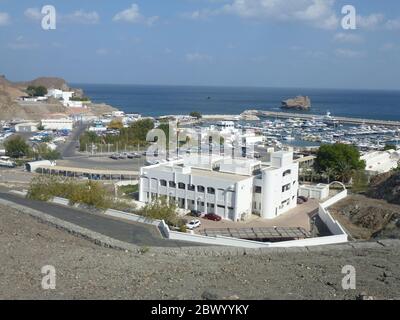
(91, 193)
(161, 209)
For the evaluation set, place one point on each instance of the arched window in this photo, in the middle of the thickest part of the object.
(163, 183)
(210, 190)
(172, 184)
(200, 189)
(287, 172)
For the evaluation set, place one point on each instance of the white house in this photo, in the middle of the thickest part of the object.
(57, 124)
(55, 93)
(230, 188)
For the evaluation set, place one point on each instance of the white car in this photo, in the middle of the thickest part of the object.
(193, 224)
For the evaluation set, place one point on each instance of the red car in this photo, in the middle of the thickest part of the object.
(213, 217)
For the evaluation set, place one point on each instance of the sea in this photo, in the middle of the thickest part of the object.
(157, 100)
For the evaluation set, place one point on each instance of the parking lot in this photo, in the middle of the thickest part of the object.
(298, 217)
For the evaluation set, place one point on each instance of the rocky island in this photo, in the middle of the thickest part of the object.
(298, 103)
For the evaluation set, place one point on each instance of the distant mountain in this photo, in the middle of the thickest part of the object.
(48, 82)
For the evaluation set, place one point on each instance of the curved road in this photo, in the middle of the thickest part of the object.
(136, 233)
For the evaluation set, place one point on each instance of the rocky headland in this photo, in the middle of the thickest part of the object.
(12, 109)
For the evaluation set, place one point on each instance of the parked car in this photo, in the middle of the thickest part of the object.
(196, 213)
(114, 157)
(299, 200)
(213, 217)
(305, 199)
(193, 224)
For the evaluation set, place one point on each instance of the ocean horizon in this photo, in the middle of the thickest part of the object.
(157, 100)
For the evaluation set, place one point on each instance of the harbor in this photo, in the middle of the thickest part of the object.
(303, 116)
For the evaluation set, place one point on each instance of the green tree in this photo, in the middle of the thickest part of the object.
(44, 152)
(196, 115)
(342, 158)
(161, 209)
(116, 124)
(328, 173)
(389, 146)
(39, 91)
(16, 147)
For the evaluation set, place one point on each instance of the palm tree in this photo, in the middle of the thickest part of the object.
(328, 173)
(344, 171)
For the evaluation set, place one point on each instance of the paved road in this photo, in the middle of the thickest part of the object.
(69, 148)
(135, 233)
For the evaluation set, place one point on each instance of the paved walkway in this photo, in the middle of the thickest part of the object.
(131, 232)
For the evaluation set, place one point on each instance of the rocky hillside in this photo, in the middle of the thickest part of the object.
(48, 82)
(298, 103)
(10, 108)
(386, 186)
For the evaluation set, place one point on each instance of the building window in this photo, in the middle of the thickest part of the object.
(163, 183)
(191, 187)
(210, 190)
(287, 172)
(257, 189)
(172, 184)
(200, 189)
(286, 187)
(181, 185)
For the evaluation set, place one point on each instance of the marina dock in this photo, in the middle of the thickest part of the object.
(302, 116)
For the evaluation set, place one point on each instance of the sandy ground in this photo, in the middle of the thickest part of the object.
(87, 271)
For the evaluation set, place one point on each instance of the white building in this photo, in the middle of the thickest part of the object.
(230, 188)
(378, 162)
(57, 124)
(26, 127)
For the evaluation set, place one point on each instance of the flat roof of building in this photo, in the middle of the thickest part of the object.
(212, 174)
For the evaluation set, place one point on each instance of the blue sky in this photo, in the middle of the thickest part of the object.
(274, 43)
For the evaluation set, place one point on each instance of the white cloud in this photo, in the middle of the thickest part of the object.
(319, 13)
(198, 57)
(82, 17)
(393, 24)
(198, 14)
(371, 22)
(347, 53)
(78, 17)
(33, 14)
(4, 18)
(133, 15)
(21, 44)
(348, 38)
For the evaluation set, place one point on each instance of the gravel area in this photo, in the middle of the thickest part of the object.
(87, 271)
